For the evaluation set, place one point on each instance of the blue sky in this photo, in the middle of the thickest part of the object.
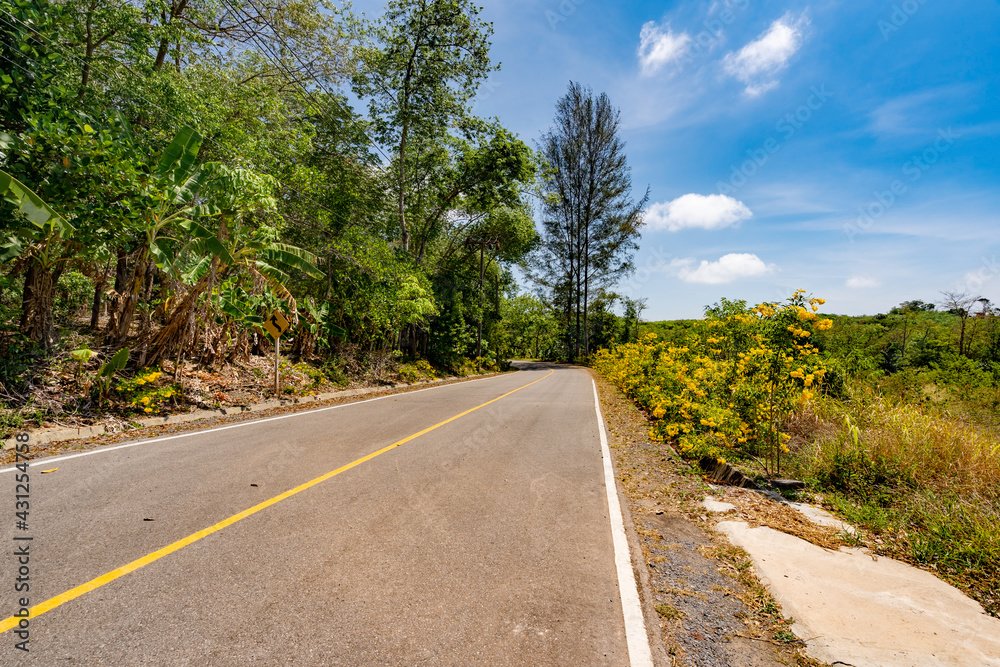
(846, 148)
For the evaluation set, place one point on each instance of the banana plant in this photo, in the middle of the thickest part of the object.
(171, 197)
(37, 241)
(106, 375)
(81, 357)
(45, 226)
(316, 329)
(235, 244)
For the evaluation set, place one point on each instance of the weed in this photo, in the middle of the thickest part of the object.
(11, 421)
(313, 374)
(668, 612)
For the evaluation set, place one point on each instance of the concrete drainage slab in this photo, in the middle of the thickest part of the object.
(716, 506)
(853, 609)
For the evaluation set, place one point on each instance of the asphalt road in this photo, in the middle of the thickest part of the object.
(484, 541)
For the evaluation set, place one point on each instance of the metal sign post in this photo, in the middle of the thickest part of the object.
(276, 325)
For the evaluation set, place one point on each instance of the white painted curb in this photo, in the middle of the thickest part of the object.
(635, 623)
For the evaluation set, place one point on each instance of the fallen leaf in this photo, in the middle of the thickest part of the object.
(253, 485)
(148, 519)
(49, 470)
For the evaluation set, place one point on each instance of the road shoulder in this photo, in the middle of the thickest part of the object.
(702, 601)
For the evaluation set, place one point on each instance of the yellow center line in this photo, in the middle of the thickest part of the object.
(107, 578)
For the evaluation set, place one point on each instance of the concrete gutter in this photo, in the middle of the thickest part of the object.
(852, 608)
(47, 435)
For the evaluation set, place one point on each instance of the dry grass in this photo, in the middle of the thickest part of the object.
(757, 510)
(938, 451)
(922, 479)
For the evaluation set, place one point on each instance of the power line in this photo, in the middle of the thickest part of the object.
(278, 62)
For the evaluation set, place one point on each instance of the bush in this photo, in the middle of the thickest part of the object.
(73, 291)
(334, 369)
(732, 384)
(962, 373)
(141, 392)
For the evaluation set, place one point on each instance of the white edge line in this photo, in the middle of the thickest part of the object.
(252, 422)
(639, 653)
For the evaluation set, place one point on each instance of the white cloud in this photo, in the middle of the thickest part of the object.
(693, 211)
(729, 268)
(758, 63)
(862, 282)
(659, 46)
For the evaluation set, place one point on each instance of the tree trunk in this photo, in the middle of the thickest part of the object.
(114, 307)
(171, 337)
(95, 308)
(129, 301)
(121, 269)
(37, 321)
(146, 318)
(99, 285)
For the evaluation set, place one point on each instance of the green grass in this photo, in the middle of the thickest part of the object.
(668, 612)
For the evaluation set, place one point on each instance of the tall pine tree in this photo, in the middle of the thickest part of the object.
(591, 223)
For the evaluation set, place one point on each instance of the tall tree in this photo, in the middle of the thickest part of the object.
(420, 67)
(961, 304)
(591, 222)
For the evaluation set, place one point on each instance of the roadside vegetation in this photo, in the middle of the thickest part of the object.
(892, 420)
(172, 174)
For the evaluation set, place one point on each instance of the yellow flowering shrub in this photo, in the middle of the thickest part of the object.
(141, 393)
(732, 384)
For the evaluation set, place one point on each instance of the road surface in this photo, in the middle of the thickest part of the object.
(466, 524)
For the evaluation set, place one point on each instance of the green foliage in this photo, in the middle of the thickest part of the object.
(961, 373)
(104, 379)
(11, 421)
(334, 369)
(18, 354)
(196, 168)
(81, 357)
(73, 291)
(528, 330)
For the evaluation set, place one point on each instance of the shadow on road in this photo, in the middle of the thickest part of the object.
(536, 365)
